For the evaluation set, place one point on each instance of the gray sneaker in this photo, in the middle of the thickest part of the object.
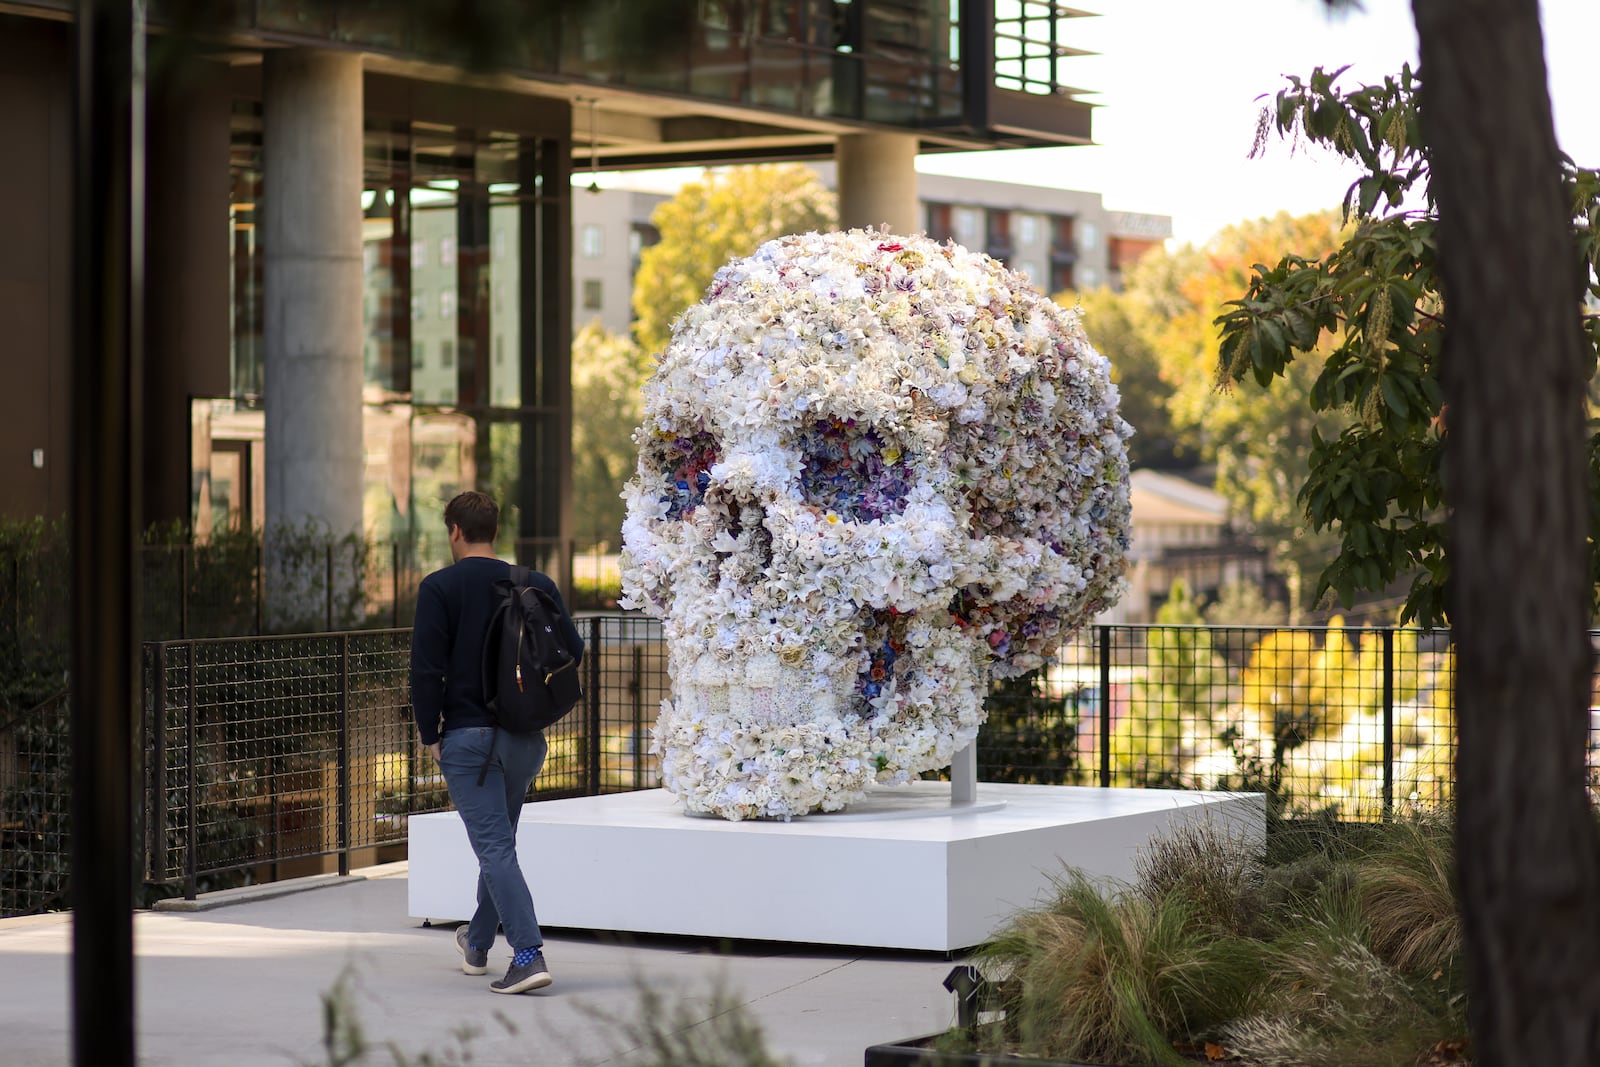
(530, 976)
(473, 960)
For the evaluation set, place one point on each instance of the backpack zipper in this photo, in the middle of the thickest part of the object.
(564, 667)
(520, 631)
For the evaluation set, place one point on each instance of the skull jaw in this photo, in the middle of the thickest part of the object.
(762, 741)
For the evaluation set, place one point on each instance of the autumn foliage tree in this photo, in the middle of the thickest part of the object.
(1160, 337)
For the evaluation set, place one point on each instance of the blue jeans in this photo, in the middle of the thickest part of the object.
(489, 812)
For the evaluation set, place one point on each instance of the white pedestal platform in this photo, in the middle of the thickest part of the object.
(901, 869)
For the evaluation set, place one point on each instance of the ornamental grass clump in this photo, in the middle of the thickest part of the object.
(1113, 977)
(1331, 1001)
(1405, 885)
(1344, 951)
(1210, 867)
(1367, 971)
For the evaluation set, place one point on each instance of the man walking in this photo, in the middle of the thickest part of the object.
(487, 769)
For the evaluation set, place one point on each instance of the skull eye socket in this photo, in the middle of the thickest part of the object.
(853, 471)
(684, 463)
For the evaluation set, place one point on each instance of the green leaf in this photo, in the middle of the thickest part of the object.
(1393, 396)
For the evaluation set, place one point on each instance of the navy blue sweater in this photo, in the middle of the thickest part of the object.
(454, 608)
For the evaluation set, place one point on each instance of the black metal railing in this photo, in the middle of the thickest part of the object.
(1357, 722)
(263, 756)
(35, 807)
(267, 750)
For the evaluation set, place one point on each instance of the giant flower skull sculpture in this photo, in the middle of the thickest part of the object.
(873, 472)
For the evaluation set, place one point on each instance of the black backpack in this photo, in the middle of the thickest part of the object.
(530, 675)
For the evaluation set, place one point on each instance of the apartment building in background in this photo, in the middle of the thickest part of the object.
(1060, 238)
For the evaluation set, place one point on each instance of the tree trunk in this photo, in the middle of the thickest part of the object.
(1528, 852)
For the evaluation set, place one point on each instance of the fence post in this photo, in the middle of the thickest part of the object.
(344, 751)
(183, 592)
(592, 771)
(327, 555)
(394, 583)
(636, 692)
(192, 783)
(261, 587)
(1388, 723)
(1105, 707)
(157, 835)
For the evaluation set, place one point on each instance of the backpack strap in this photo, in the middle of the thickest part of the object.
(519, 576)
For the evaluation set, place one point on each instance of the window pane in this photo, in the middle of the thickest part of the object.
(443, 463)
(434, 210)
(502, 482)
(505, 316)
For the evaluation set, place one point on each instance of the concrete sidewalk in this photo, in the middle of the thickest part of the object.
(241, 985)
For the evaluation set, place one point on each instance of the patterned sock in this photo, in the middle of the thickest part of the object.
(524, 957)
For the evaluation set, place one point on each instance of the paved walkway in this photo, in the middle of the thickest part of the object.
(241, 985)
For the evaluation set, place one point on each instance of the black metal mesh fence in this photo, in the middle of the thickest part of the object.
(35, 809)
(219, 588)
(267, 749)
(264, 751)
(1357, 722)
(34, 722)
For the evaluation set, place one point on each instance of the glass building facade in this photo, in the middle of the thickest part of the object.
(455, 360)
(465, 252)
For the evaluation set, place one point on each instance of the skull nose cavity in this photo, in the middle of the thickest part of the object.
(744, 528)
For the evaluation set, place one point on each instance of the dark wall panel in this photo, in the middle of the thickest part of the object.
(186, 292)
(35, 191)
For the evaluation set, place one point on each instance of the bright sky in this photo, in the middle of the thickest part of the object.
(1176, 82)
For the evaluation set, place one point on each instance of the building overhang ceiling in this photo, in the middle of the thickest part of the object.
(619, 128)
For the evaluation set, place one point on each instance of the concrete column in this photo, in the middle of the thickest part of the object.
(878, 182)
(311, 243)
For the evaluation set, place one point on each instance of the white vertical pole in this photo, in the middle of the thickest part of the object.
(964, 776)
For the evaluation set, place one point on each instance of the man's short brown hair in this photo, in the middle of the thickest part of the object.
(476, 513)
